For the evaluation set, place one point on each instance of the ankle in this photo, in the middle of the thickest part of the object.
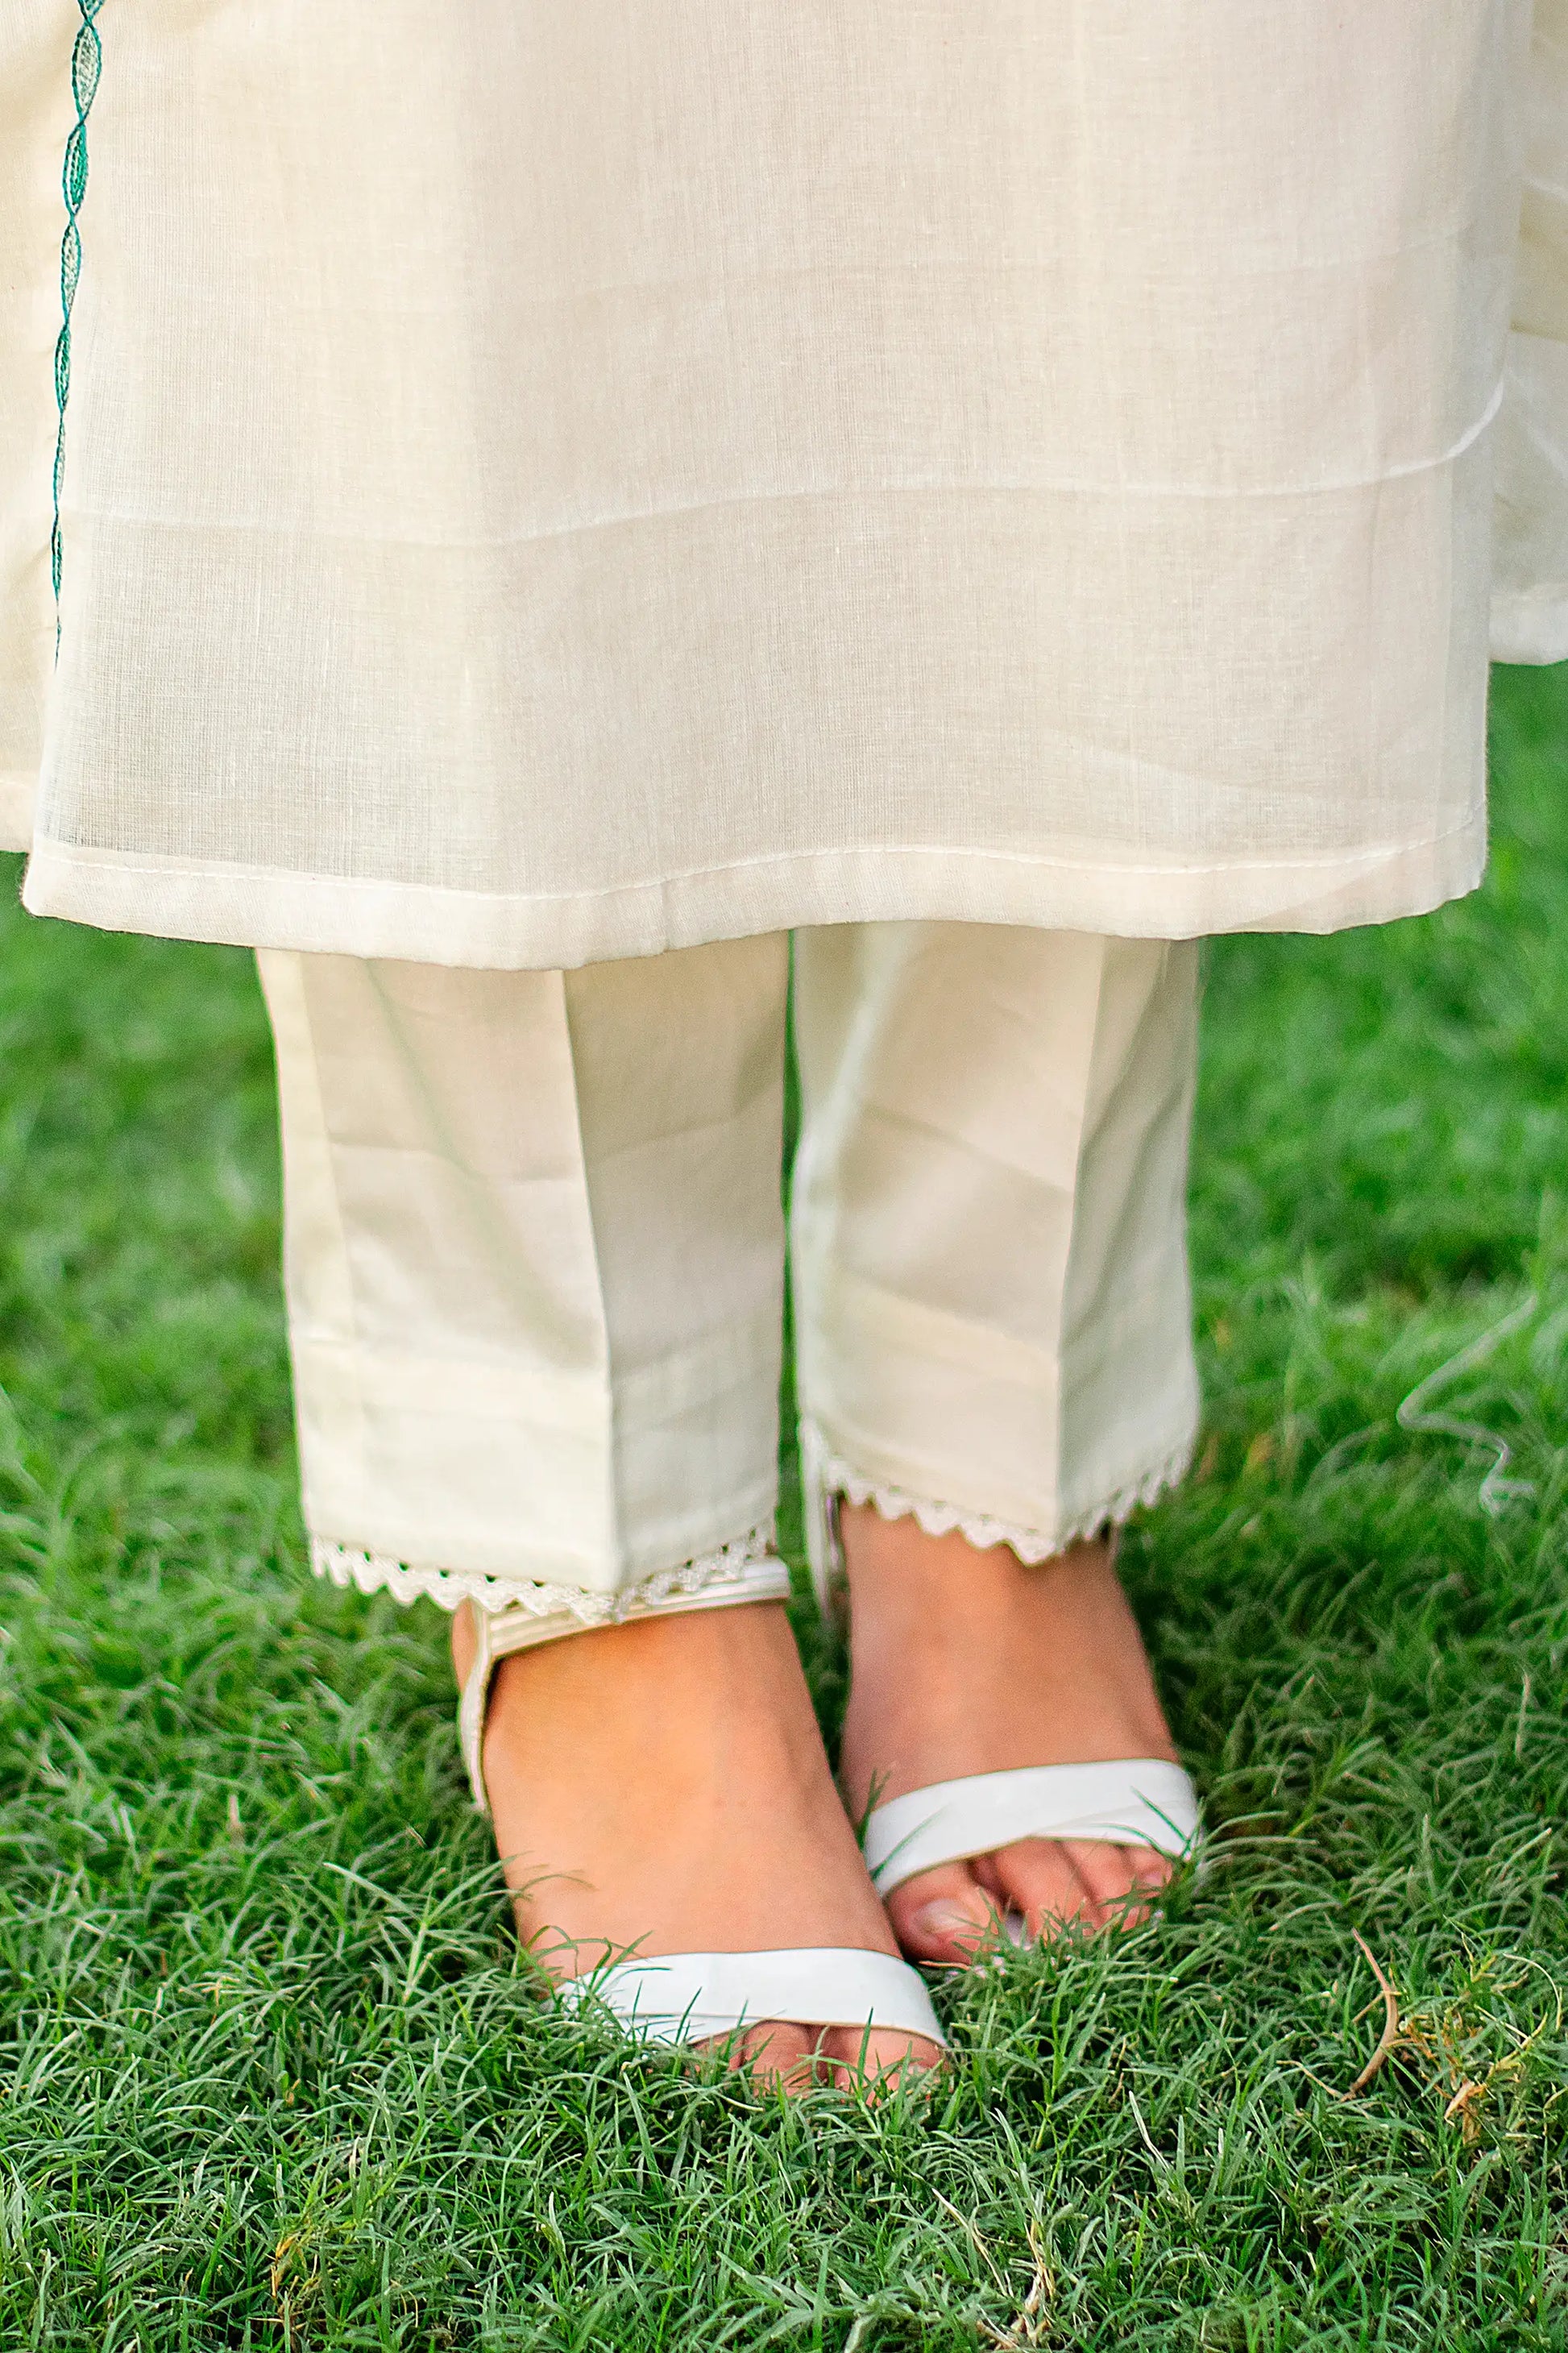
(901, 1578)
(663, 1784)
(971, 1661)
(703, 1682)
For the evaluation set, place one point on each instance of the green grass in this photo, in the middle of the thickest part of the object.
(270, 2071)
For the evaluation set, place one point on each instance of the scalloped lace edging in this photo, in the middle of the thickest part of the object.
(750, 1558)
(830, 1475)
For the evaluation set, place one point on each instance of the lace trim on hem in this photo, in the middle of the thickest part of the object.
(374, 1572)
(833, 1477)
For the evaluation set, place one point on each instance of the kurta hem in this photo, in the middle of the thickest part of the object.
(249, 906)
(1531, 628)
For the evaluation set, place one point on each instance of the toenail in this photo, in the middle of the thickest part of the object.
(945, 1918)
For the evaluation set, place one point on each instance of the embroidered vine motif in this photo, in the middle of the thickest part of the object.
(87, 65)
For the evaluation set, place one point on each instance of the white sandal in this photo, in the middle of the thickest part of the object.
(682, 1997)
(1130, 1801)
(1135, 1801)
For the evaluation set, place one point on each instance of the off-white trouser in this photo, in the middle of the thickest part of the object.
(535, 1250)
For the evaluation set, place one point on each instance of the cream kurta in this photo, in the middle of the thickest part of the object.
(548, 482)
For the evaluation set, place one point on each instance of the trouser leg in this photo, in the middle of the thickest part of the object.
(534, 1260)
(993, 1306)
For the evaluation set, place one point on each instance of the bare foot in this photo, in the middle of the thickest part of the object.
(663, 1786)
(967, 1661)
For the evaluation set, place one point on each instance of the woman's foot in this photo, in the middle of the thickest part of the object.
(967, 1661)
(662, 1786)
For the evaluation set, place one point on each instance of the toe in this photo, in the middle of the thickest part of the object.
(943, 1917)
(1035, 1878)
(879, 2059)
(776, 2051)
(1120, 1879)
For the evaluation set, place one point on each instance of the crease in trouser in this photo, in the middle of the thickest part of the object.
(993, 1306)
(534, 1260)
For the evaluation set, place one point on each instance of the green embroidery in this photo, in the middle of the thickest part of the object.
(87, 64)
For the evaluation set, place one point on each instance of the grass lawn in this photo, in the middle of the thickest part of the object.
(271, 2072)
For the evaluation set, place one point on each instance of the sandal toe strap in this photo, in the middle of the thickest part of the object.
(688, 1997)
(1134, 1801)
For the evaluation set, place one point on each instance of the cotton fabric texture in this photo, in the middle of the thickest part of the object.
(550, 483)
(534, 1253)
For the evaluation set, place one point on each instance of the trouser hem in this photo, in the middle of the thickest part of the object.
(750, 1563)
(827, 1480)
